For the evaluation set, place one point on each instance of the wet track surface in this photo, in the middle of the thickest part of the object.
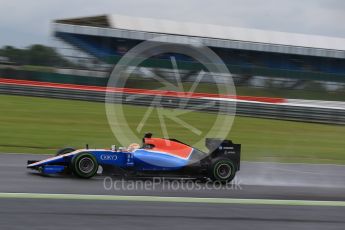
(255, 180)
(145, 215)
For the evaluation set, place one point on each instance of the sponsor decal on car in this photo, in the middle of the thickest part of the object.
(107, 157)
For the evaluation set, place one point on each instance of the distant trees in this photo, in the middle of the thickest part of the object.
(35, 55)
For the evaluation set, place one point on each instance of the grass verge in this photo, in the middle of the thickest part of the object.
(40, 125)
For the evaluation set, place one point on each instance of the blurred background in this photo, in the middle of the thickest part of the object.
(287, 61)
(287, 79)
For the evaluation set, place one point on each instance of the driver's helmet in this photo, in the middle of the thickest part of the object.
(133, 147)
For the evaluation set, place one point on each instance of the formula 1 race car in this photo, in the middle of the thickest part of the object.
(156, 157)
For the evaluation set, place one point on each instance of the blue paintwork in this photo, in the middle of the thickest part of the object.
(110, 157)
(52, 169)
(140, 159)
(149, 160)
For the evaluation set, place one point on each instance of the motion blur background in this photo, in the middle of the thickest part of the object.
(290, 87)
(287, 62)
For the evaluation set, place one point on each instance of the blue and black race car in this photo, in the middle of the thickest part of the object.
(155, 157)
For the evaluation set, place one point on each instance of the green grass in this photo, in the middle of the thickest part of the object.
(39, 125)
(314, 91)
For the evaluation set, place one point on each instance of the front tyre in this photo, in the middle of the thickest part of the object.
(64, 151)
(84, 165)
(222, 170)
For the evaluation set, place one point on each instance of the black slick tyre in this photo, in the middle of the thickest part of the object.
(84, 165)
(64, 151)
(222, 170)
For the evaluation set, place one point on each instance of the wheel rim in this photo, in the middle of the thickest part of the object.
(224, 171)
(86, 165)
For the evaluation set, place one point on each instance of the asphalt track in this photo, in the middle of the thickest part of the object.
(259, 197)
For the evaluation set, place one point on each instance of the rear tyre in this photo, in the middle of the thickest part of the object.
(84, 165)
(222, 170)
(64, 151)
